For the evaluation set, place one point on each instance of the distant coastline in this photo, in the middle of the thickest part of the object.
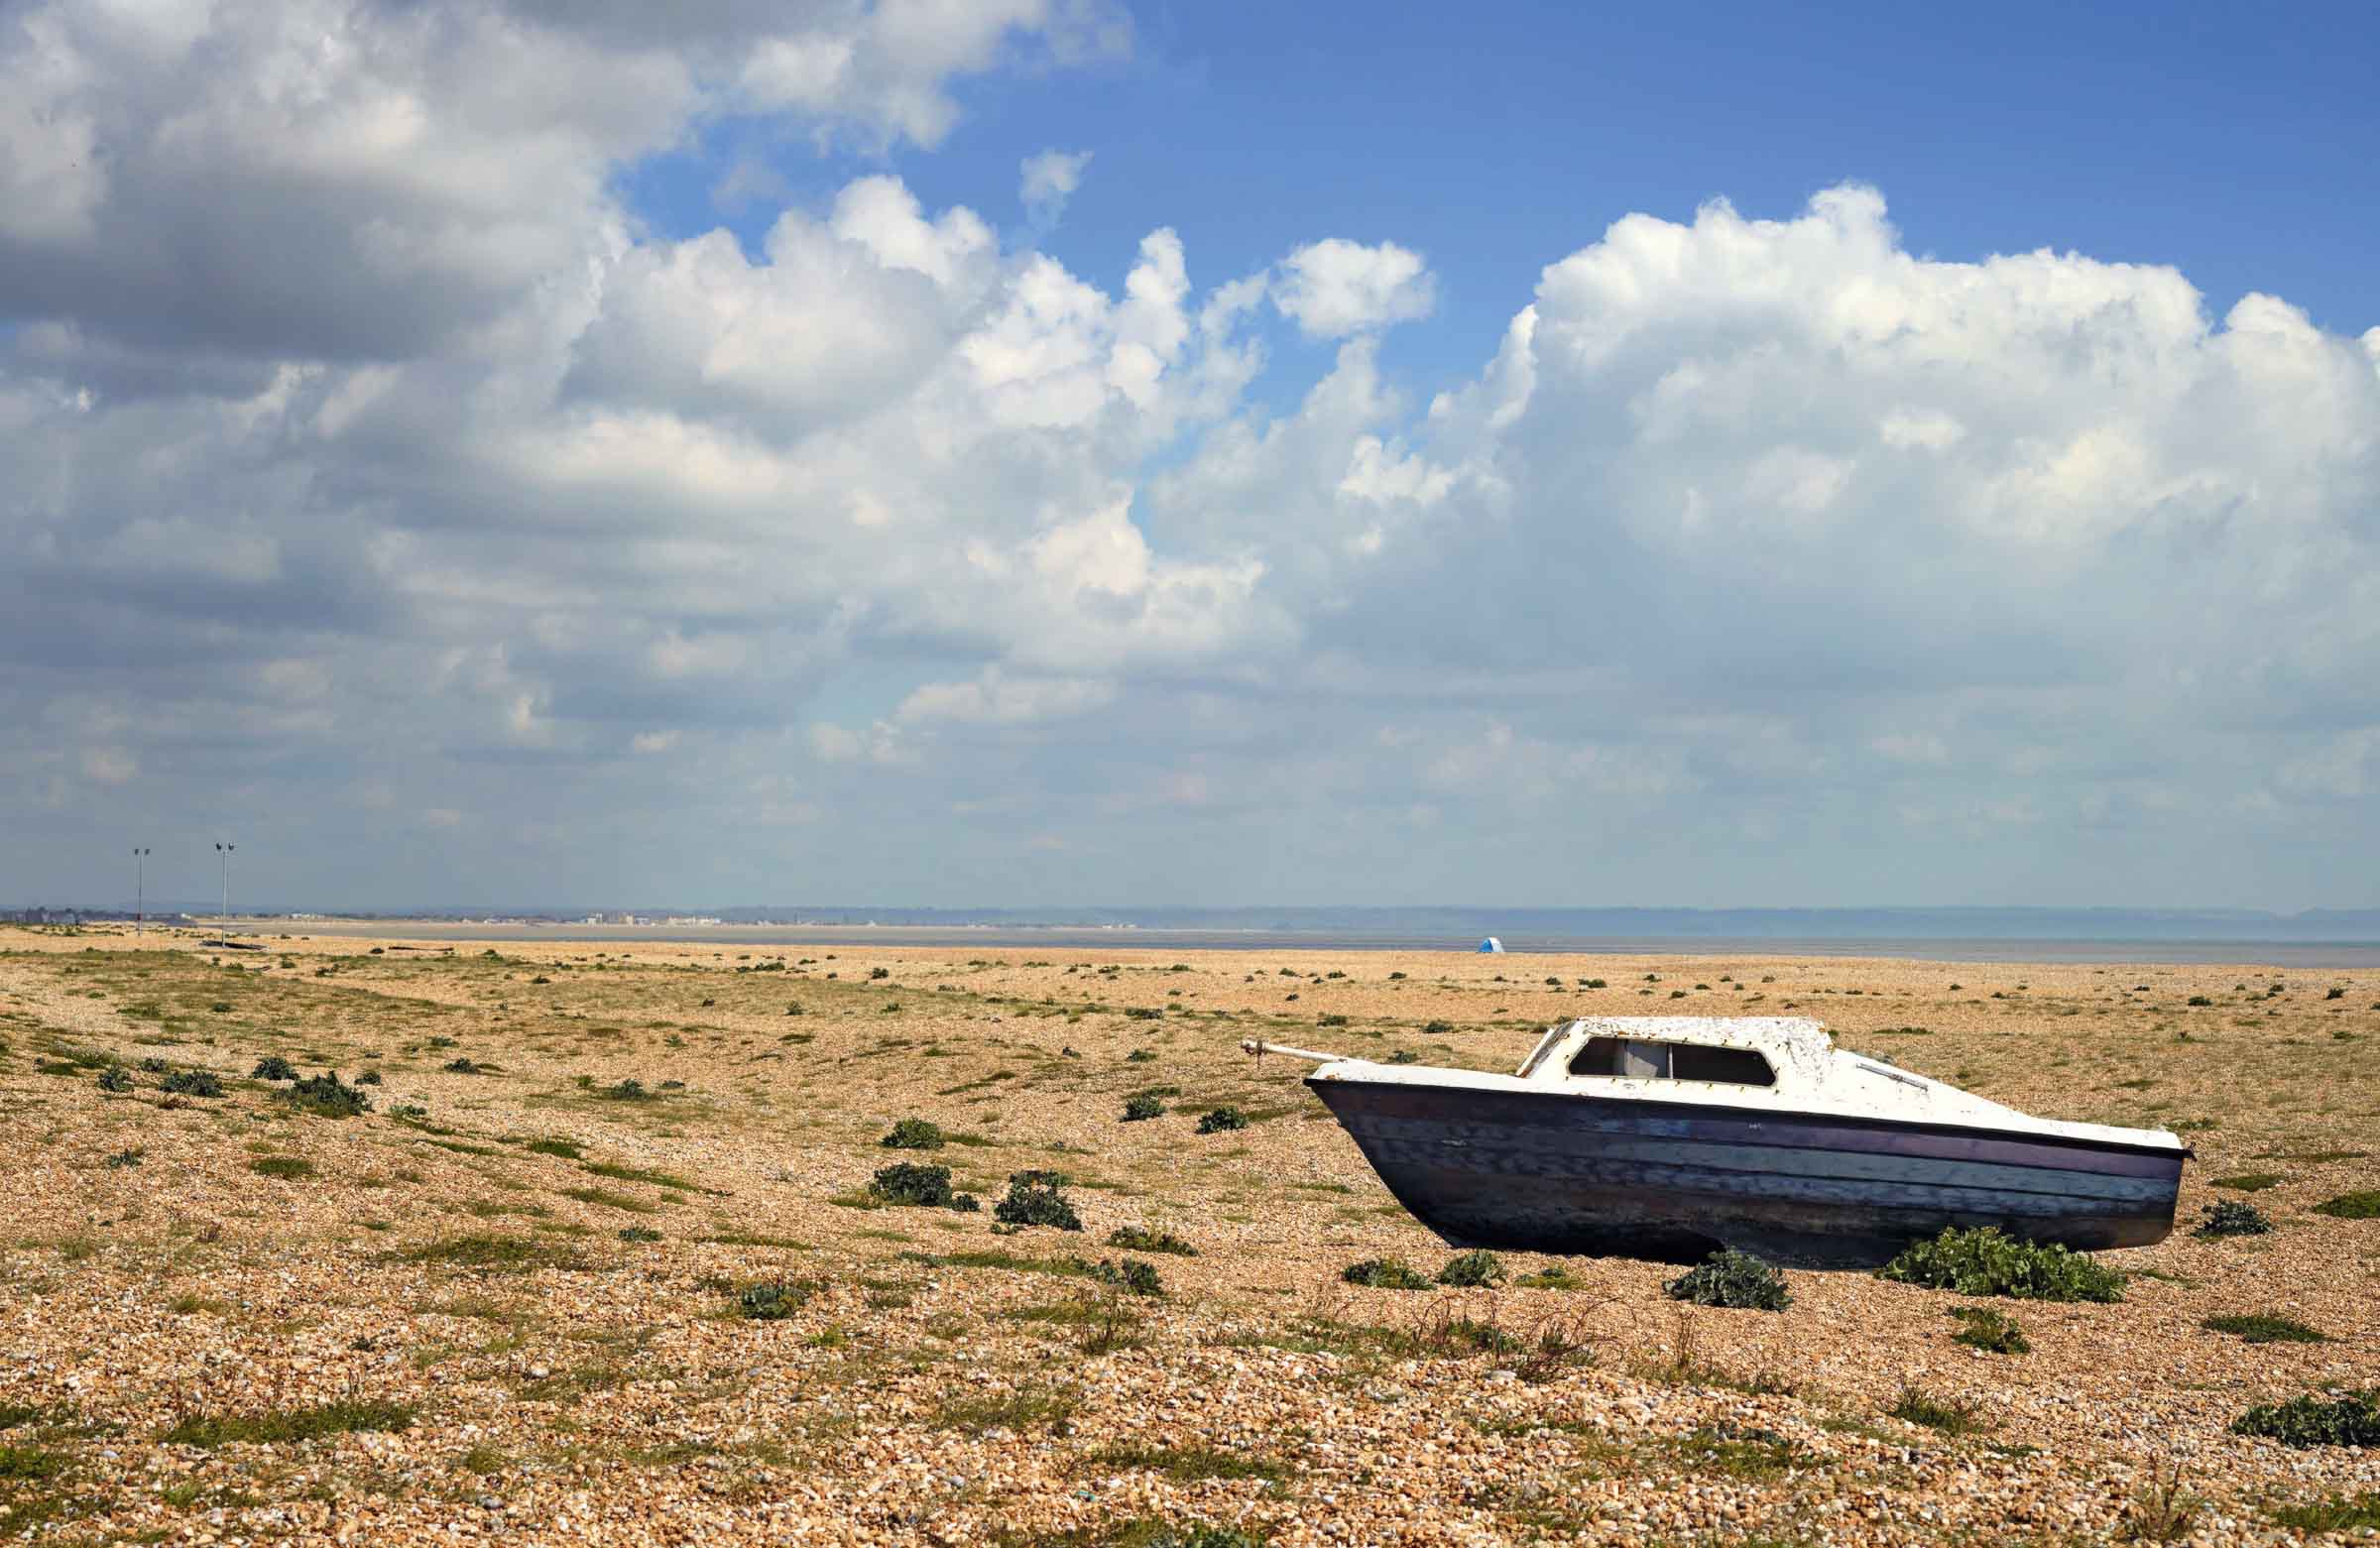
(2313, 926)
(2285, 954)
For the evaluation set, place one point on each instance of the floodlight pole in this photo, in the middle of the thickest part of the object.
(225, 850)
(140, 884)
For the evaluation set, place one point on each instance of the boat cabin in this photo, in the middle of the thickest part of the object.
(1764, 1059)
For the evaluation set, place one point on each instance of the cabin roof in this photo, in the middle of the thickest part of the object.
(1794, 1042)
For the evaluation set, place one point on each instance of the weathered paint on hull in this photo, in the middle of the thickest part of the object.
(1569, 1173)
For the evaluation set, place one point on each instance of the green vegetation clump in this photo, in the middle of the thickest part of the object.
(1992, 1331)
(913, 1134)
(1405, 1056)
(1035, 1199)
(907, 1182)
(1384, 1274)
(1131, 1275)
(2351, 1419)
(1143, 1105)
(2335, 1514)
(1554, 1276)
(638, 1234)
(2232, 1218)
(773, 1301)
(1140, 1239)
(287, 1167)
(629, 1091)
(2248, 1182)
(273, 1067)
(1732, 1278)
(461, 1067)
(2352, 1206)
(1750, 1453)
(1221, 1119)
(1437, 1029)
(326, 1096)
(493, 1253)
(115, 1078)
(368, 1078)
(1983, 1262)
(1952, 1416)
(28, 1464)
(1015, 1410)
(1187, 1465)
(1472, 1269)
(2265, 1328)
(193, 1083)
(294, 1424)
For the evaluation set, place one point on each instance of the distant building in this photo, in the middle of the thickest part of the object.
(41, 915)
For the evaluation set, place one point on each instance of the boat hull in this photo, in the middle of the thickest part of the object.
(1564, 1172)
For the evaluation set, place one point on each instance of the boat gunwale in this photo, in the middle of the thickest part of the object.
(1320, 1080)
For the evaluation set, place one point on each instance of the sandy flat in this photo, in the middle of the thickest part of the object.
(440, 1290)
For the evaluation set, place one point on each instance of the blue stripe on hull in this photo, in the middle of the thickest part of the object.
(1571, 1174)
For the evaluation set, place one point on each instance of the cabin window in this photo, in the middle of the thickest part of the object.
(1641, 1060)
(1730, 1066)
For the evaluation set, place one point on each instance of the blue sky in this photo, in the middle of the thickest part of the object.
(1720, 455)
(2236, 145)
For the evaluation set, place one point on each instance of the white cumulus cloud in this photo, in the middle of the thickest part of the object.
(1048, 180)
(1334, 287)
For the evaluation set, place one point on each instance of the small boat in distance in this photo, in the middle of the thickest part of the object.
(1670, 1136)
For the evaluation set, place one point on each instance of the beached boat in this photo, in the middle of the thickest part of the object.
(1668, 1136)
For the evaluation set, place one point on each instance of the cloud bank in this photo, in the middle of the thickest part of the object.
(383, 488)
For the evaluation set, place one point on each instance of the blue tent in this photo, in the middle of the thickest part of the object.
(1491, 944)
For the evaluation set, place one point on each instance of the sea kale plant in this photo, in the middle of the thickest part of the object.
(1035, 1199)
(1131, 1275)
(1732, 1278)
(1144, 1238)
(772, 1300)
(1983, 1262)
(1472, 1269)
(2350, 1419)
(2232, 1218)
(907, 1182)
(913, 1134)
(1384, 1274)
(1993, 1332)
(1221, 1119)
(326, 1096)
